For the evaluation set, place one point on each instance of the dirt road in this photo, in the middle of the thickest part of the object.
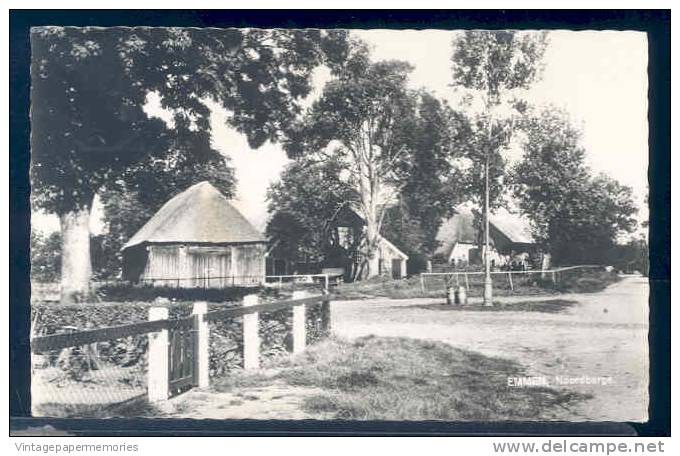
(603, 336)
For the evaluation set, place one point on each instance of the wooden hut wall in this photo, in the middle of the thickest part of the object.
(389, 256)
(250, 263)
(162, 266)
(204, 266)
(210, 267)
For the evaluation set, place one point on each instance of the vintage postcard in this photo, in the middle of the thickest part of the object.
(339, 224)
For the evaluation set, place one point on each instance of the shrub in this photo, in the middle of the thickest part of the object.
(226, 336)
(129, 292)
(585, 280)
(416, 264)
(45, 256)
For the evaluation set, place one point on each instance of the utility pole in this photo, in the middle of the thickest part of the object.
(488, 284)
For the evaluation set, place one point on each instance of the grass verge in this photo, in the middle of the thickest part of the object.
(544, 306)
(376, 378)
(136, 407)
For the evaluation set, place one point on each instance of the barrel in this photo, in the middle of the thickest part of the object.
(451, 295)
(461, 295)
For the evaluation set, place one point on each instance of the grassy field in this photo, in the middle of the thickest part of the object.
(586, 281)
(376, 378)
(553, 306)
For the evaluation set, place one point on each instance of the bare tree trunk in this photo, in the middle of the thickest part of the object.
(369, 186)
(76, 268)
(372, 241)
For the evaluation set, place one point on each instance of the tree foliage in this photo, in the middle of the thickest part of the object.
(575, 215)
(491, 69)
(496, 62)
(90, 85)
(433, 183)
(305, 204)
(396, 147)
(362, 116)
(631, 256)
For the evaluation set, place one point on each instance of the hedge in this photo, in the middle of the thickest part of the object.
(226, 336)
(126, 292)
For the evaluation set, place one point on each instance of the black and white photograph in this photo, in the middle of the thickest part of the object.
(346, 224)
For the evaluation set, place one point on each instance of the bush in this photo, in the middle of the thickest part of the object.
(76, 361)
(226, 336)
(45, 256)
(585, 280)
(120, 292)
(416, 264)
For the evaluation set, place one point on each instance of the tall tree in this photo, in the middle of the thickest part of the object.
(90, 86)
(361, 116)
(433, 184)
(492, 67)
(430, 185)
(491, 71)
(576, 216)
(405, 230)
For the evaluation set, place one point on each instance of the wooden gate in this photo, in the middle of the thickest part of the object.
(182, 357)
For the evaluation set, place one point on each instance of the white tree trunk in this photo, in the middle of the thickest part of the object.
(76, 268)
(369, 183)
(371, 218)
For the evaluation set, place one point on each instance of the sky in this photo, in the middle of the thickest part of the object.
(598, 77)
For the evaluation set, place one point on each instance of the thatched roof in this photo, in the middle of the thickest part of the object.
(515, 227)
(461, 229)
(200, 215)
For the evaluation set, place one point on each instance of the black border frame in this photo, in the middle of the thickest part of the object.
(655, 22)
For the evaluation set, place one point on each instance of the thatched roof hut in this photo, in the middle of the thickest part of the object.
(197, 239)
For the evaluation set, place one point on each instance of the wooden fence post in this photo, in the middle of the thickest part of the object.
(158, 375)
(251, 335)
(422, 283)
(467, 283)
(299, 320)
(512, 288)
(202, 341)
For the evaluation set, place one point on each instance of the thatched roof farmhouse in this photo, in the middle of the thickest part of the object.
(459, 238)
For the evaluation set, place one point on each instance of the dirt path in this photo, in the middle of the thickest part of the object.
(604, 335)
(275, 401)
